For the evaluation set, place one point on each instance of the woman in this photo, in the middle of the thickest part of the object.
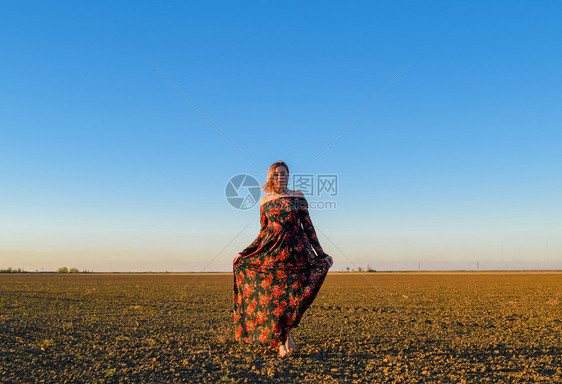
(277, 277)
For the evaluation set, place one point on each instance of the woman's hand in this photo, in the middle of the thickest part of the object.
(236, 258)
(328, 259)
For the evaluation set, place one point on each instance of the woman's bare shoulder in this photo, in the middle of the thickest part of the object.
(269, 197)
(266, 198)
(298, 193)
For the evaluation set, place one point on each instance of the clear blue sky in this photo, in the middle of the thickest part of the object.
(105, 166)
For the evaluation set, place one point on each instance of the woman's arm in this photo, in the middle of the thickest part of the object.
(255, 244)
(309, 228)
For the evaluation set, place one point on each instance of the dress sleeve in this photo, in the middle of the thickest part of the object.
(256, 243)
(309, 228)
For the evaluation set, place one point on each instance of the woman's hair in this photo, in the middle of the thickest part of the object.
(268, 187)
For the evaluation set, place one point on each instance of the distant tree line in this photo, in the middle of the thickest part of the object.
(359, 269)
(60, 270)
(70, 270)
(12, 270)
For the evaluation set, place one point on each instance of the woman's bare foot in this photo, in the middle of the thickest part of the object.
(283, 352)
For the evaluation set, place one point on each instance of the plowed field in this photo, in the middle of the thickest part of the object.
(376, 327)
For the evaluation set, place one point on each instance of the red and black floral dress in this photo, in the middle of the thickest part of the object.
(278, 275)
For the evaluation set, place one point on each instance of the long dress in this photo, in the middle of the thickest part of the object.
(278, 275)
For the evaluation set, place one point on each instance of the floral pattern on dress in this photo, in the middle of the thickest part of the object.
(278, 275)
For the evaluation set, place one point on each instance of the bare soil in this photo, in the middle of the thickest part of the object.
(362, 328)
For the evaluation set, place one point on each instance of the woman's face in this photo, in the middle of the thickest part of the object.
(280, 177)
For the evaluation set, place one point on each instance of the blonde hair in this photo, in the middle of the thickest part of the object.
(268, 187)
